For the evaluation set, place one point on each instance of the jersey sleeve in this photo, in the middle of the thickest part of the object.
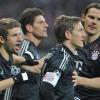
(55, 64)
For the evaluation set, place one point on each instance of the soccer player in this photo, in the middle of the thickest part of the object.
(88, 80)
(10, 41)
(34, 27)
(59, 63)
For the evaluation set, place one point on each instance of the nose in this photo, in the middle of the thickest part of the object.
(46, 25)
(20, 37)
(94, 21)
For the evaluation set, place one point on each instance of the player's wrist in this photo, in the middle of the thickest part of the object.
(29, 60)
(22, 77)
(81, 81)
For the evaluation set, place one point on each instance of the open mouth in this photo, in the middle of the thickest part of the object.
(18, 47)
(82, 41)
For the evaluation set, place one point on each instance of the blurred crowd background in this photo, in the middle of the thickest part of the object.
(52, 9)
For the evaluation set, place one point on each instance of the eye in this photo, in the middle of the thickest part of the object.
(91, 17)
(98, 19)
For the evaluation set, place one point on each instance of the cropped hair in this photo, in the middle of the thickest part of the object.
(28, 17)
(6, 24)
(62, 24)
(92, 5)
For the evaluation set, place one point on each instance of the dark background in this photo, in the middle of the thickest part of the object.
(52, 9)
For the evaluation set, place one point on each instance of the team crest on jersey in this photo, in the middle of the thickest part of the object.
(15, 70)
(95, 55)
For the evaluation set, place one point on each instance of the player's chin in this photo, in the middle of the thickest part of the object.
(81, 45)
(17, 50)
(45, 35)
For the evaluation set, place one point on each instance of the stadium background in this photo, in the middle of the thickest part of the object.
(52, 8)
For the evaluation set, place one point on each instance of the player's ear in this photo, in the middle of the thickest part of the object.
(29, 28)
(2, 40)
(67, 35)
(82, 17)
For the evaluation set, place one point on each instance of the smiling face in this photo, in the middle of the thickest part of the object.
(77, 36)
(92, 21)
(14, 40)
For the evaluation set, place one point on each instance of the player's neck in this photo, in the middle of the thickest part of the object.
(4, 53)
(93, 38)
(33, 39)
(70, 47)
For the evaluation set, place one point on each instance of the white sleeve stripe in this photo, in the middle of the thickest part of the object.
(24, 47)
(64, 61)
(8, 92)
(27, 52)
(27, 45)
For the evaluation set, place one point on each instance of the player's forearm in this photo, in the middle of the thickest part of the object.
(90, 82)
(18, 59)
(6, 83)
(33, 69)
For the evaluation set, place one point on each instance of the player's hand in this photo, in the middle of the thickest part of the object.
(23, 77)
(75, 78)
(29, 60)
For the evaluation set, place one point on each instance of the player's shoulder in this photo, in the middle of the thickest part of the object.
(57, 52)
